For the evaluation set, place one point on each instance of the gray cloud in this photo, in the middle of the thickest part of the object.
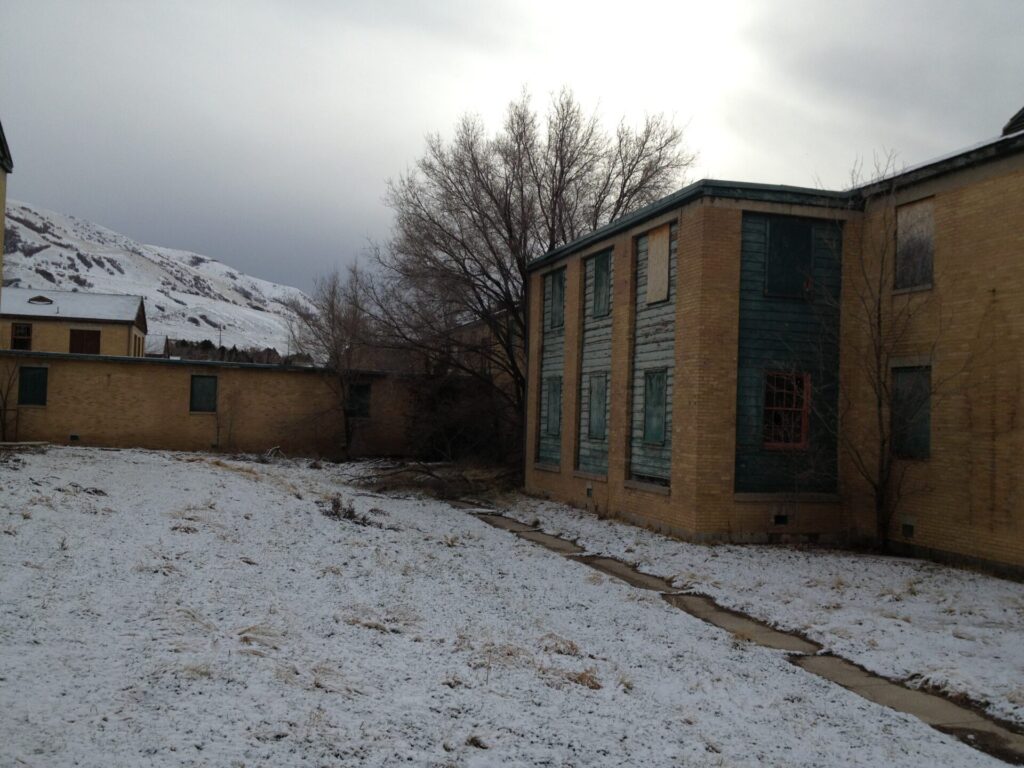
(262, 133)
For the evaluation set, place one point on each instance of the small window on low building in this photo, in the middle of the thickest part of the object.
(787, 407)
(598, 407)
(84, 342)
(32, 383)
(553, 416)
(21, 336)
(657, 264)
(789, 262)
(358, 401)
(915, 235)
(556, 294)
(910, 418)
(654, 406)
(602, 284)
(203, 396)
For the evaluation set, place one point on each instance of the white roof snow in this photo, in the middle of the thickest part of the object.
(71, 304)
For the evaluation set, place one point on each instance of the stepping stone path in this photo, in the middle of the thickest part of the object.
(970, 726)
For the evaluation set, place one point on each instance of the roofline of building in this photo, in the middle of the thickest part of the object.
(987, 151)
(6, 161)
(733, 190)
(66, 319)
(359, 372)
(158, 361)
(978, 154)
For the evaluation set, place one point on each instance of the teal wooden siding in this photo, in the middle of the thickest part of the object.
(653, 349)
(595, 366)
(788, 334)
(552, 364)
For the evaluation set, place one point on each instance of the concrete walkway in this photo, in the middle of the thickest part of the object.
(972, 727)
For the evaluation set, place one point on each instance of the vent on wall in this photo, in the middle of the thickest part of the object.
(782, 520)
(908, 530)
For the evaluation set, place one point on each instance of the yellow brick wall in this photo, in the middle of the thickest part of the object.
(145, 403)
(55, 335)
(968, 497)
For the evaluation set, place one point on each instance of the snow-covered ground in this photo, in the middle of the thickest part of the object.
(161, 609)
(188, 296)
(931, 625)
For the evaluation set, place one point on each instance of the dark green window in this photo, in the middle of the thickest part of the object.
(911, 417)
(654, 406)
(553, 417)
(597, 411)
(358, 401)
(602, 284)
(32, 386)
(789, 262)
(556, 290)
(203, 395)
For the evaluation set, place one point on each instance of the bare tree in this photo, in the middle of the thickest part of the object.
(477, 209)
(333, 330)
(885, 329)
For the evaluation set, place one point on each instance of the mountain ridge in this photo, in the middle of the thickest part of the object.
(188, 295)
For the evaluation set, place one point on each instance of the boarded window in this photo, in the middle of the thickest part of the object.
(911, 421)
(556, 290)
(553, 417)
(915, 234)
(21, 336)
(358, 405)
(657, 264)
(203, 395)
(654, 406)
(32, 386)
(789, 263)
(598, 408)
(602, 284)
(787, 406)
(84, 342)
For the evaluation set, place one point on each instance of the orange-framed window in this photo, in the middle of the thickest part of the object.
(787, 410)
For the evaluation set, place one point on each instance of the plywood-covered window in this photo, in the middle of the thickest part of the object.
(556, 290)
(553, 414)
(597, 413)
(32, 384)
(789, 261)
(654, 406)
(915, 244)
(84, 342)
(910, 416)
(787, 408)
(358, 404)
(602, 284)
(203, 394)
(21, 336)
(657, 264)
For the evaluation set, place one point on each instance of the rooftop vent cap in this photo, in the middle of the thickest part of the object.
(40, 300)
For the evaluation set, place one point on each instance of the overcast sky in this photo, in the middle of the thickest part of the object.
(262, 132)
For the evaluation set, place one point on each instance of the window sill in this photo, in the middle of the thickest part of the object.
(202, 413)
(584, 475)
(31, 406)
(911, 289)
(547, 467)
(640, 485)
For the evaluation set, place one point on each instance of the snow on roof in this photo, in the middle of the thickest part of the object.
(71, 304)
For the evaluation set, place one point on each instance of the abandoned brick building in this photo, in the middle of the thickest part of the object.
(704, 365)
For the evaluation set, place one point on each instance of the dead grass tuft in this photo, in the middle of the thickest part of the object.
(553, 643)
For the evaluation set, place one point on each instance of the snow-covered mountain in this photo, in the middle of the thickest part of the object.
(188, 296)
